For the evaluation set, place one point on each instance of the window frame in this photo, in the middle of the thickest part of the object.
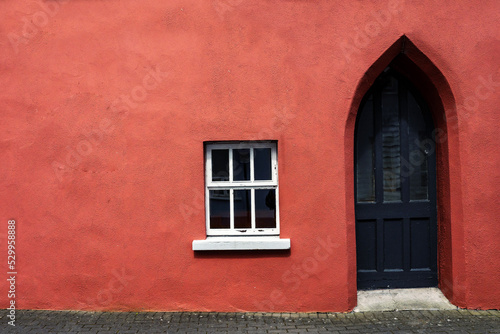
(231, 185)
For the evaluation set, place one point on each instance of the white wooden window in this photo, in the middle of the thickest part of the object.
(241, 189)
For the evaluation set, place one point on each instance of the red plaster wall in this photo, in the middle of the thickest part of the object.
(105, 107)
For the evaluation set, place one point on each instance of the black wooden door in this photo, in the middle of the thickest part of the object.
(395, 187)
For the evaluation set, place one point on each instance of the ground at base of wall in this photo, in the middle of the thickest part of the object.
(402, 300)
(442, 321)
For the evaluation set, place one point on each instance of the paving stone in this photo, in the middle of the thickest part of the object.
(444, 321)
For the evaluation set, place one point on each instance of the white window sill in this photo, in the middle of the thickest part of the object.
(241, 243)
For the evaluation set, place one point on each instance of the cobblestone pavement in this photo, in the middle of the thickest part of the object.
(454, 321)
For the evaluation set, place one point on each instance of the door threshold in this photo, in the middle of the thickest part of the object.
(402, 299)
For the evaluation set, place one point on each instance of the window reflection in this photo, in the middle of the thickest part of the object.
(241, 165)
(265, 208)
(219, 209)
(391, 142)
(366, 154)
(220, 165)
(242, 209)
(262, 164)
(418, 157)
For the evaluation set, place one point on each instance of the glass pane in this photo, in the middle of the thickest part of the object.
(241, 165)
(219, 208)
(242, 209)
(391, 161)
(365, 154)
(220, 165)
(262, 163)
(265, 208)
(419, 144)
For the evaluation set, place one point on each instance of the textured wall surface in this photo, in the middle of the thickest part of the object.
(105, 106)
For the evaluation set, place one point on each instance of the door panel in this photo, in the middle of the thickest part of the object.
(420, 238)
(395, 186)
(366, 231)
(393, 244)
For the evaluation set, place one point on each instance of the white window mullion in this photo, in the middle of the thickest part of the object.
(208, 170)
(208, 179)
(252, 171)
(274, 165)
(252, 205)
(277, 209)
(230, 167)
(247, 184)
(231, 208)
(207, 207)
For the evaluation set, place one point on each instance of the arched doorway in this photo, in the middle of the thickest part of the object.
(395, 187)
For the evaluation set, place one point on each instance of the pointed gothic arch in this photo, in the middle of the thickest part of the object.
(407, 59)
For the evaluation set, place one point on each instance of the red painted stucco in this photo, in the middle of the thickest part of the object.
(105, 107)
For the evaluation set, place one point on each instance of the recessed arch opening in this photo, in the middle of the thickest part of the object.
(409, 61)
